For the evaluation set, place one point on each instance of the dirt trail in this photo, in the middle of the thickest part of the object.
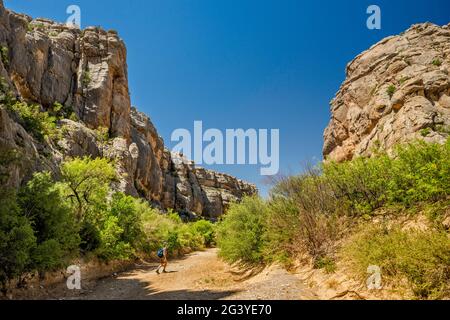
(200, 275)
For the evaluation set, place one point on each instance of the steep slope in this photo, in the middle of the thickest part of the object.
(396, 91)
(44, 63)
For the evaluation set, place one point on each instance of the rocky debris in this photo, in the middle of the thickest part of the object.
(396, 91)
(44, 63)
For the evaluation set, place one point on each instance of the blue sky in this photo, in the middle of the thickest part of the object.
(242, 64)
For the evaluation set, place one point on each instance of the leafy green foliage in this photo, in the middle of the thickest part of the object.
(419, 172)
(325, 263)
(240, 234)
(51, 222)
(87, 184)
(425, 132)
(422, 257)
(60, 111)
(86, 78)
(121, 231)
(160, 229)
(206, 230)
(437, 62)
(4, 55)
(312, 212)
(16, 238)
(102, 134)
(42, 202)
(6, 96)
(34, 120)
(89, 237)
(16, 234)
(391, 90)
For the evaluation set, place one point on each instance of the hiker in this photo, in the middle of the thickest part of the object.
(162, 255)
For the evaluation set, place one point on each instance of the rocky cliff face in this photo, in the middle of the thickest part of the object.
(396, 91)
(44, 62)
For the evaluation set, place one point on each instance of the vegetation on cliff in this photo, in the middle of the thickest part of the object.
(50, 222)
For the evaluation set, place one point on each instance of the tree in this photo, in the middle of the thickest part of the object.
(16, 238)
(129, 218)
(87, 181)
(52, 219)
(16, 235)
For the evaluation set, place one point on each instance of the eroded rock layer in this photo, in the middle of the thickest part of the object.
(44, 63)
(396, 91)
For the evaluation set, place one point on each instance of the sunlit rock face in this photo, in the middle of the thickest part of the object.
(44, 62)
(397, 91)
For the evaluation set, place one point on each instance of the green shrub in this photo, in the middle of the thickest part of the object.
(206, 230)
(102, 134)
(112, 245)
(240, 233)
(419, 172)
(421, 257)
(86, 78)
(425, 132)
(4, 55)
(89, 237)
(53, 222)
(169, 229)
(60, 111)
(437, 62)
(310, 213)
(39, 123)
(16, 239)
(6, 97)
(292, 231)
(121, 233)
(129, 218)
(48, 256)
(325, 263)
(391, 90)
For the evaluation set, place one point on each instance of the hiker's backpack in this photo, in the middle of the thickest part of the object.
(161, 253)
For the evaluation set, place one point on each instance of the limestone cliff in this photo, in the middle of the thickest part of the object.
(44, 62)
(396, 91)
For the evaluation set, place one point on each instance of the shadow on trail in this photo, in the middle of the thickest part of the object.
(133, 289)
(191, 295)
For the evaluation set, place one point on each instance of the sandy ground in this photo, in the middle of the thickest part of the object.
(200, 275)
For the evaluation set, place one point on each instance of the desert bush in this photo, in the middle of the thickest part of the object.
(240, 235)
(121, 231)
(420, 257)
(391, 90)
(207, 231)
(16, 238)
(300, 231)
(54, 225)
(310, 213)
(34, 120)
(418, 172)
(4, 55)
(169, 229)
(112, 245)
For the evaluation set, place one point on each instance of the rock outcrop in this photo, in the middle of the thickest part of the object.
(396, 91)
(43, 63)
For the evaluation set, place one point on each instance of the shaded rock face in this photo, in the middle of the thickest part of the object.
(396, 91)
(86, 71)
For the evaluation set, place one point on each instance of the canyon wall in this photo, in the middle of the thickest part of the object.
(397, 91)
(44, 63)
